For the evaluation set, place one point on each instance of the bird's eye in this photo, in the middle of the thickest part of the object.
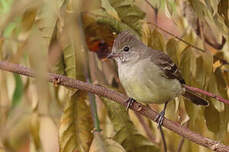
(126, 49)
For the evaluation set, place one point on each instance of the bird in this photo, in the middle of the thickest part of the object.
(148, 75)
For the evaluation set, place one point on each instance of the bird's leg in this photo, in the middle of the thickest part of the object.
(160, 117)
(130, 102)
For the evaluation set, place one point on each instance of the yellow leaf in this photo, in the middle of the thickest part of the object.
(171, 49)
(76, 124)
(102, 144)
(156, 40)
(35, 129)
(48, 127)
(212, 118)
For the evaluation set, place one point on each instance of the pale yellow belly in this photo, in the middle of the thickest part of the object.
(145, 83)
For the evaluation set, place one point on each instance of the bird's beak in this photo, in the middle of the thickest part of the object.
(111, 56)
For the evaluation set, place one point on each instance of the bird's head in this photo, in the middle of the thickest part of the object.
(126, 48)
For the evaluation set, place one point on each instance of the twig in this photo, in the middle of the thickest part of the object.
(206, 93)
(93, 103)
(121, 99)
(94, 112)
(163, 138)
(182, 140)
(180, 145)
(148, 131)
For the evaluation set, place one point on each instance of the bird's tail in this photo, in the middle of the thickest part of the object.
(195, 98)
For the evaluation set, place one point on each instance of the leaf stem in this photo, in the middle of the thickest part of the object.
(94, 112)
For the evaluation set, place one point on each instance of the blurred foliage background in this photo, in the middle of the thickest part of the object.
(70, 37)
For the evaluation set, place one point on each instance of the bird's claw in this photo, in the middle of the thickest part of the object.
(159, 118)
(130, 102)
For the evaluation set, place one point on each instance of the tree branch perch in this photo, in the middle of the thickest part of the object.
(121, 99)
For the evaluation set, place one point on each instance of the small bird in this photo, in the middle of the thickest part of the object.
(147, 75)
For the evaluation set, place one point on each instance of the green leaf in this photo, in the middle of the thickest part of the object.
(118, 115)
(103, 18)
(102, 144)
(69, 61)
(171, 5)
(5, 6)
(18, 91)
(109, 9)
(129, 13)
(70, 37)
(126, 135)
(76, 124)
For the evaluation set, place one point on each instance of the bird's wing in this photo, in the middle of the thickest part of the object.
(167, 65)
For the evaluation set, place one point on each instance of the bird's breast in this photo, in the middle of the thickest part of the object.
(143, 81)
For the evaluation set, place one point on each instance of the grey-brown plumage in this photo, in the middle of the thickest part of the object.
(148, 75)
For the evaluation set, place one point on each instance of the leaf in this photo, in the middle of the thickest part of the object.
(212, 118)
(200, 74)
(188, 69)
(48, 127)
(69, 59)
(212, 87)
(187, 64)
(199, 8)
(100, 29)
(127, 134)
(99, 38)
(102, 144)
(171, 6)
(137, 143)
(35, 130)
(76, 124)
(171, 49)
(223, 7)
(18, 91)
(156, 41)
(129, 13)
(109, 9)
(70, 38)
(28, 19)
(103, 18)
(157, 4)
(118, 115)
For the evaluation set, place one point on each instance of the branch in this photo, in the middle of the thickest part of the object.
(121, 99)
(206, 93)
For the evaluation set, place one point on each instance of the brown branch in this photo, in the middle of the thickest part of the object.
(121, 99)
(207, 94)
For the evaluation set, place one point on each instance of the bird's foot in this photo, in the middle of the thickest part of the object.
(160, 117)
(130, 102)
